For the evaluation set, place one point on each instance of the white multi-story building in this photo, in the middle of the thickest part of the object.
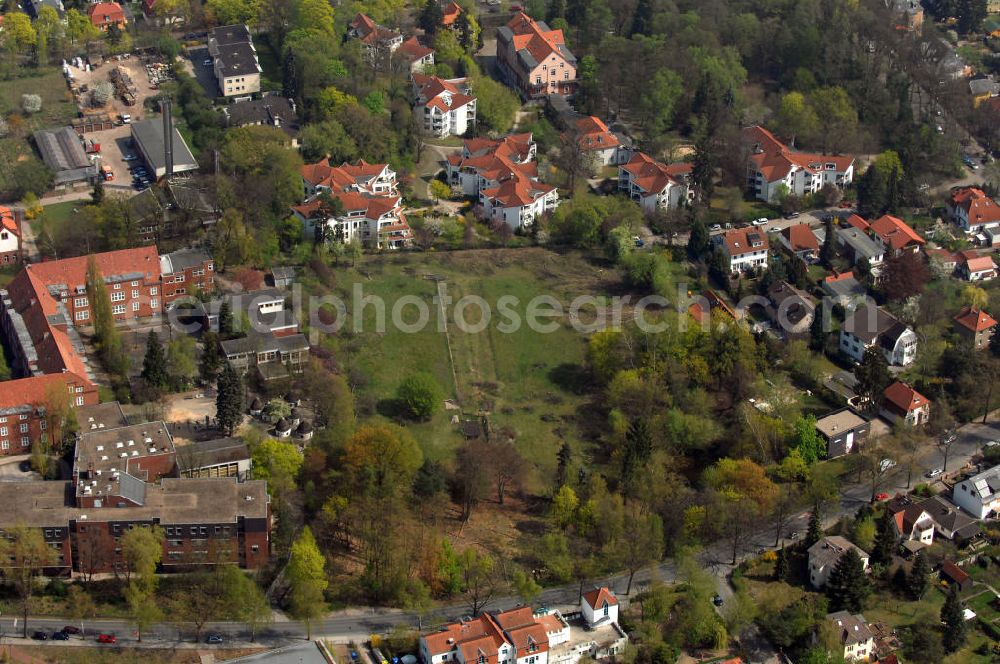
(364, 178)
(973, 210)
(10, 237)
(443, 107)
(771, 164)
(525, 636)
(980, 494)
(868, 326)
(485, 163)
(655, 185)
(234, 61)
(746, 249)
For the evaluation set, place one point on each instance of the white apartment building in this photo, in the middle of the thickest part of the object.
(443, 107)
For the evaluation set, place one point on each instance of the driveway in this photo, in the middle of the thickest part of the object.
(205, 75)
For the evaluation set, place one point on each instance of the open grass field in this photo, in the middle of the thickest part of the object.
(526, 380)
(57, 110)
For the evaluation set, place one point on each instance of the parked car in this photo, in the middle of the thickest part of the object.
(69, 629)
(885, 464)
(715, 228)
(107, 638)
(40, 636)
(639, 242)
(717, 600)
(760, 222)
(129, 157)
(792, 215)
(934, 472)
(881, 496)
(992, 443)
(207, 62)
(60, 636)
(215, 639)
(24, 466)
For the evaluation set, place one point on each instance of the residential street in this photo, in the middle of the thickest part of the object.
(358, 624)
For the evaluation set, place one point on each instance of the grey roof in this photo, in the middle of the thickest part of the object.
(853, 630)
(273, 110)
(211, 453)
(828, 550)
(860, 243)
(62, 151)
(527, 58)
(283, 272)
(946, 515)
(983, 86)
(505, 33)
(869, 323)
(849, 287)
(985, 485)
(149, 135)
(182, 259)
(256, 342)
(230, 34)
(238, 59)
(308, 652)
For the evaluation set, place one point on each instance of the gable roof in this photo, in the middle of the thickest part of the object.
(741, 241)
(829, 549)
(102, 13)
(597, 597)
(534, 41)
(852, 629)
(25, 394)
(975, 320)
(895, 233)
(8, 221)
(450, 13)
(801, 238)
(344, 177)
(653, 176)
(870, 323)
(901, 399)
(442, 94)
(594, 134)
(972, 262)
(370, 32)
(979, 208)
(139, 263)
(774, 160)
(953, 572)
(413, 50)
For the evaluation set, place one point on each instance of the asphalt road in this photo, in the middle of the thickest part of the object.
(358, 624)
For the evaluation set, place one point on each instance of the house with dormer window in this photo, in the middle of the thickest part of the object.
(773, 167)
(443, 107)
(746, 249)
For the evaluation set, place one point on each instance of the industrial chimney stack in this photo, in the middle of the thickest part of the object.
(168, 137)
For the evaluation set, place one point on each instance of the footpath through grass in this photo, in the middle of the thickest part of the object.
(527, 381)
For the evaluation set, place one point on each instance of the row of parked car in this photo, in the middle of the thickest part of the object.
(65, 632)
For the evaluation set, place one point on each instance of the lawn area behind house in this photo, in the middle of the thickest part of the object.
(57, 110)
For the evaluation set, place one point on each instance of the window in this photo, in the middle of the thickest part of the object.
(24, 441)
(255, 548)
(3, 431)
(118, 286)
(22, 417)
(153, 291)
(179, 279)
(43, 424)
(79, 401)
(154, 303)
(24, 428)
(135, 306)
(135, 283)
(552, 72)
(5, 445)
(210, 267)
(81, 315)
(80, 302)
(118, 296)
(135, 294)
(118, 309)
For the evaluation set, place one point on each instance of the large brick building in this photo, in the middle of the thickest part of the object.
(124, 476)
(186, 272)
(24, 406)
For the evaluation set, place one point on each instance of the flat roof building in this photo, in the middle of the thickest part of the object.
(62, 151)
(149, 141)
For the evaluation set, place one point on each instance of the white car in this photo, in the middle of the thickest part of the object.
(760, 222)
(935, 472)
(992, 443)
(885, 464)
(207, 62)
(715, 228)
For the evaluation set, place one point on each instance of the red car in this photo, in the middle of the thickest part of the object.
(881, 496)
(844, 205)
(107, 638)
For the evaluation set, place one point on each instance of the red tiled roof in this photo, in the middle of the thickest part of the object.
(597, 597)
(8, 221)
(954, 572)
(451, 13)
(143, 262)
(775, 161)
(370, 32)
(975, 320)
(529, 36)
(413, 50)
(340, 177)
(739, 241)
(517, 191)
(102, 13)
(858, 222)
(902, 398)
(595, 135)
(653, 176)
(895, 233)
(800, 238)
(34, 391)
(435, 90)
(979, 208)
(943, 254)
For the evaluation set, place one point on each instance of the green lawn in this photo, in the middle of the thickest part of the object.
(526, 378)
(57, 110)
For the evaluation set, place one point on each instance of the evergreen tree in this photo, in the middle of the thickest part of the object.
(995, 344)
(564, 457)
(829, 249)
(815, 532)
(636, 451)
(699, 240)
(211, 359)
(817, 331)
(229, 400)
(227, 323)
(953, 617)
(871, 192)
(556, 9)
(154, 365)
(97, 195)
(431, 17)
(916, 582)
(873, 376)
(642, 19)
(885, 540)
(705, 157)
(781, 566)
(848, 586)
(106, 337)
